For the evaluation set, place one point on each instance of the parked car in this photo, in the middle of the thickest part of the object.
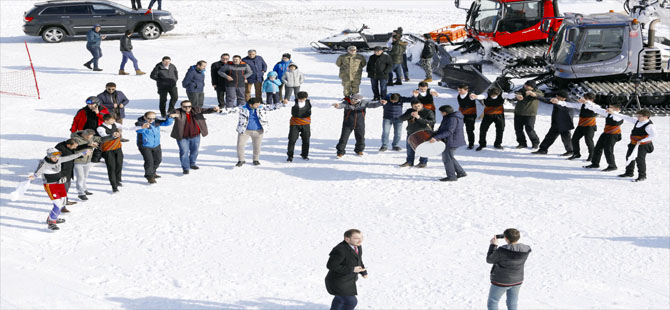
(55, 20)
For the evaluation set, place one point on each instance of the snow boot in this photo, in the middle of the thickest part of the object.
(64, 210)
(428, 80)
(139, 72)
(121, 72)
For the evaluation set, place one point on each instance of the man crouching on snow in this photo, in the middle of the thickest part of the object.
(354, 120)
(49, 169)
(507, 271)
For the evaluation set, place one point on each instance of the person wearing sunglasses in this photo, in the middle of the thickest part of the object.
(115, 101)
(189, 126)
(90, 116)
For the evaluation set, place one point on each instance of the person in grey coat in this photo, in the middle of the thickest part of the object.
(292, 80)
(93, 40)
(236, 73)
(451, 133)
(507, 271)
(127, 52)
(194, 82)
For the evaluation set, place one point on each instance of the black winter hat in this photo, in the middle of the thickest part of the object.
(378, 48)
(287, 55)
(563, 94)
(531, 83)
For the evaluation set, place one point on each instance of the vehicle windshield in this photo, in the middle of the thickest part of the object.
(120, 6)
(561, 49)
(485, 15)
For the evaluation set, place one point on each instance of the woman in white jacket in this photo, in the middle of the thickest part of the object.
(292, 80)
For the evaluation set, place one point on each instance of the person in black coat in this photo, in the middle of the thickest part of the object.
(166, 76)
(561, 124)
(218, 82)
(378, 69)
(507, 271)
(344, 266)
(67, 148)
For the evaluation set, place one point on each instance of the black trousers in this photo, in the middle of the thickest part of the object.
(152, 159)
(137, 4)
(304, 132)
(499, 121)
(522, 122)
(469, 121)
(587, 133)
(163, 92)
(642, 151)
(221, 95)
(114, 163)
(605, 144)
(359, 134)
(551, 137)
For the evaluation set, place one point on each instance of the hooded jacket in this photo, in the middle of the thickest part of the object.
(428, 50)
(79, 138)
(194, 80)
(451, 130)
(397, 50)
(293, 78)
(271, 86)
(258, 67)
(508, 262)
(126, 44)
(240, 73)
(93, 38)
(165, 77)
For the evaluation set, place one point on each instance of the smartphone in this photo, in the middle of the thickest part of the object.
(500, 236)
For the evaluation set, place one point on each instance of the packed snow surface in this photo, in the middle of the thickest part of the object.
(259, 237)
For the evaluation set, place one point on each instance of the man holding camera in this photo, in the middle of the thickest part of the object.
(507, 271)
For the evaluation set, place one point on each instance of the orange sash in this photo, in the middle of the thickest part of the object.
(613, 130)
(493, 110)
(111, 145)
(300, 120)
(587, 121)
(636, 139)
(472, 110)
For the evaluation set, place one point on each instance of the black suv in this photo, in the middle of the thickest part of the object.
(54, 20)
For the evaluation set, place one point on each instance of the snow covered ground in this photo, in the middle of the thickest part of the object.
(259, 237)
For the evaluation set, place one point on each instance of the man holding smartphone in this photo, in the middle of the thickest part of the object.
(344, 265)
(507, 271)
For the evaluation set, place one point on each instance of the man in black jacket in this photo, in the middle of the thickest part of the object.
(344, 265)
(67, 148)
(218, 82)
(378, 69)
(427, 54)
(507, 271)
(166, 76)
(127, 52)
(561, 124)
(418, 119)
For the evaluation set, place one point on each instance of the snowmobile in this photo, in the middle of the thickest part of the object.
(351, 37)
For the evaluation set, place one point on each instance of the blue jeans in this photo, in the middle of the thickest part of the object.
(97, 53)
(397, 68)
(344, 303)
(124, 60)
(386, 128)
(160, 2)
(410, 155)
(496, 292)
(451, 165)
(188, 151)
(378, 88)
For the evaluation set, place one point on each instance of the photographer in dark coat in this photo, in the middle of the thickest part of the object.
(507, 271)
(344, 265)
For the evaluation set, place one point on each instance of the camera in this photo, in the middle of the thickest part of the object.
(501, 236)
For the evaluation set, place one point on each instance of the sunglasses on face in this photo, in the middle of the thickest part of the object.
(151, 118)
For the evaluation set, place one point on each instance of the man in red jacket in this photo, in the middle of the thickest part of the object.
(90, 116)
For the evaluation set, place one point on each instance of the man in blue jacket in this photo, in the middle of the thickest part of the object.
(194, 82)
(280, 68)
(258, 67)
(392, 112)
(149, 142)
(93, 39)
(451, 133)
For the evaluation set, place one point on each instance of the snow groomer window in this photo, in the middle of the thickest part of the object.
(601, 44)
